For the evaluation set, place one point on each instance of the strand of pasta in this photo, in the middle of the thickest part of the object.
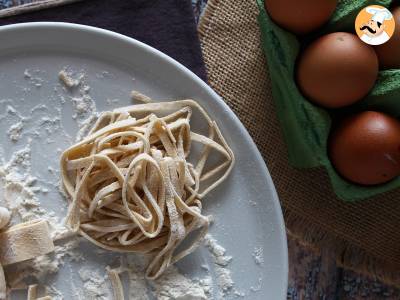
(132, 186)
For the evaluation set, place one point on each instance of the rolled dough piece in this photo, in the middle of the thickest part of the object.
(32, 292)
(25, 241)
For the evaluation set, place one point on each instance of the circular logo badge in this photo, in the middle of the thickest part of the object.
(375, 25)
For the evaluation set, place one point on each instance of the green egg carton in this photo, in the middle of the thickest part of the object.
(305, 126)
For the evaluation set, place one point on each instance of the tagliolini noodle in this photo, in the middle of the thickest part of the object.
(132, 186)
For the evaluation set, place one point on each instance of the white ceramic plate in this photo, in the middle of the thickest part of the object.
(246, 208)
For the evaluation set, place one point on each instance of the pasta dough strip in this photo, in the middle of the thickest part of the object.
(25, 241)
(132, 186)
(116, 284)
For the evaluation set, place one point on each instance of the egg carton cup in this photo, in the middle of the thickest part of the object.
(305, 126)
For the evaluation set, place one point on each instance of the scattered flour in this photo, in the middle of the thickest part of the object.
(258, 255)
(221, 261)
(217, 251)
(11, 110)
(27, 74)
(135, 266)
(112, 101)
(170, 286)
(15, 130)
(95, 283)
(20, 191)
(173, 285)
(85, 127)
(83, 104)
(238, 294)
(17, 186)
(33, 78)
(105, 75)
(258, 286)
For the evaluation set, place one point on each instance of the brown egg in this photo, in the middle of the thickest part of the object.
(389, 52)
(365, 148)
(337, 69)
(300, 16)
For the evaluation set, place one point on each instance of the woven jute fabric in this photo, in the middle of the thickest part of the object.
(364, 236)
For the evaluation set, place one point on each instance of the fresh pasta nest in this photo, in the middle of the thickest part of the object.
(134, 185)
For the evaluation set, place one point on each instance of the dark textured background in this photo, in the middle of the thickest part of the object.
(168, 26)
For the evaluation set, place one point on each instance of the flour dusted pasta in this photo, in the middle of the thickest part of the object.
(136, 185)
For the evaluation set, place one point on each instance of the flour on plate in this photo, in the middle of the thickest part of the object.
(76, 83)
(258, 255)
(95, 284)
(221, 261)
(14, 132)
(21, 193)
(173, 285)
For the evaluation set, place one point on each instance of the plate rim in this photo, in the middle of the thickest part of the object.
(136, 43)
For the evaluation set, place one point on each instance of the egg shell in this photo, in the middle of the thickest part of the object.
(300, 16)
(389, 52)
(337, 70)
(365, 148)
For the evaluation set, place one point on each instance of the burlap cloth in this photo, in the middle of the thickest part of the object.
(364, 236)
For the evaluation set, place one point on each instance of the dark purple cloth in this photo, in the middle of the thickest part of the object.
(167, 25)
